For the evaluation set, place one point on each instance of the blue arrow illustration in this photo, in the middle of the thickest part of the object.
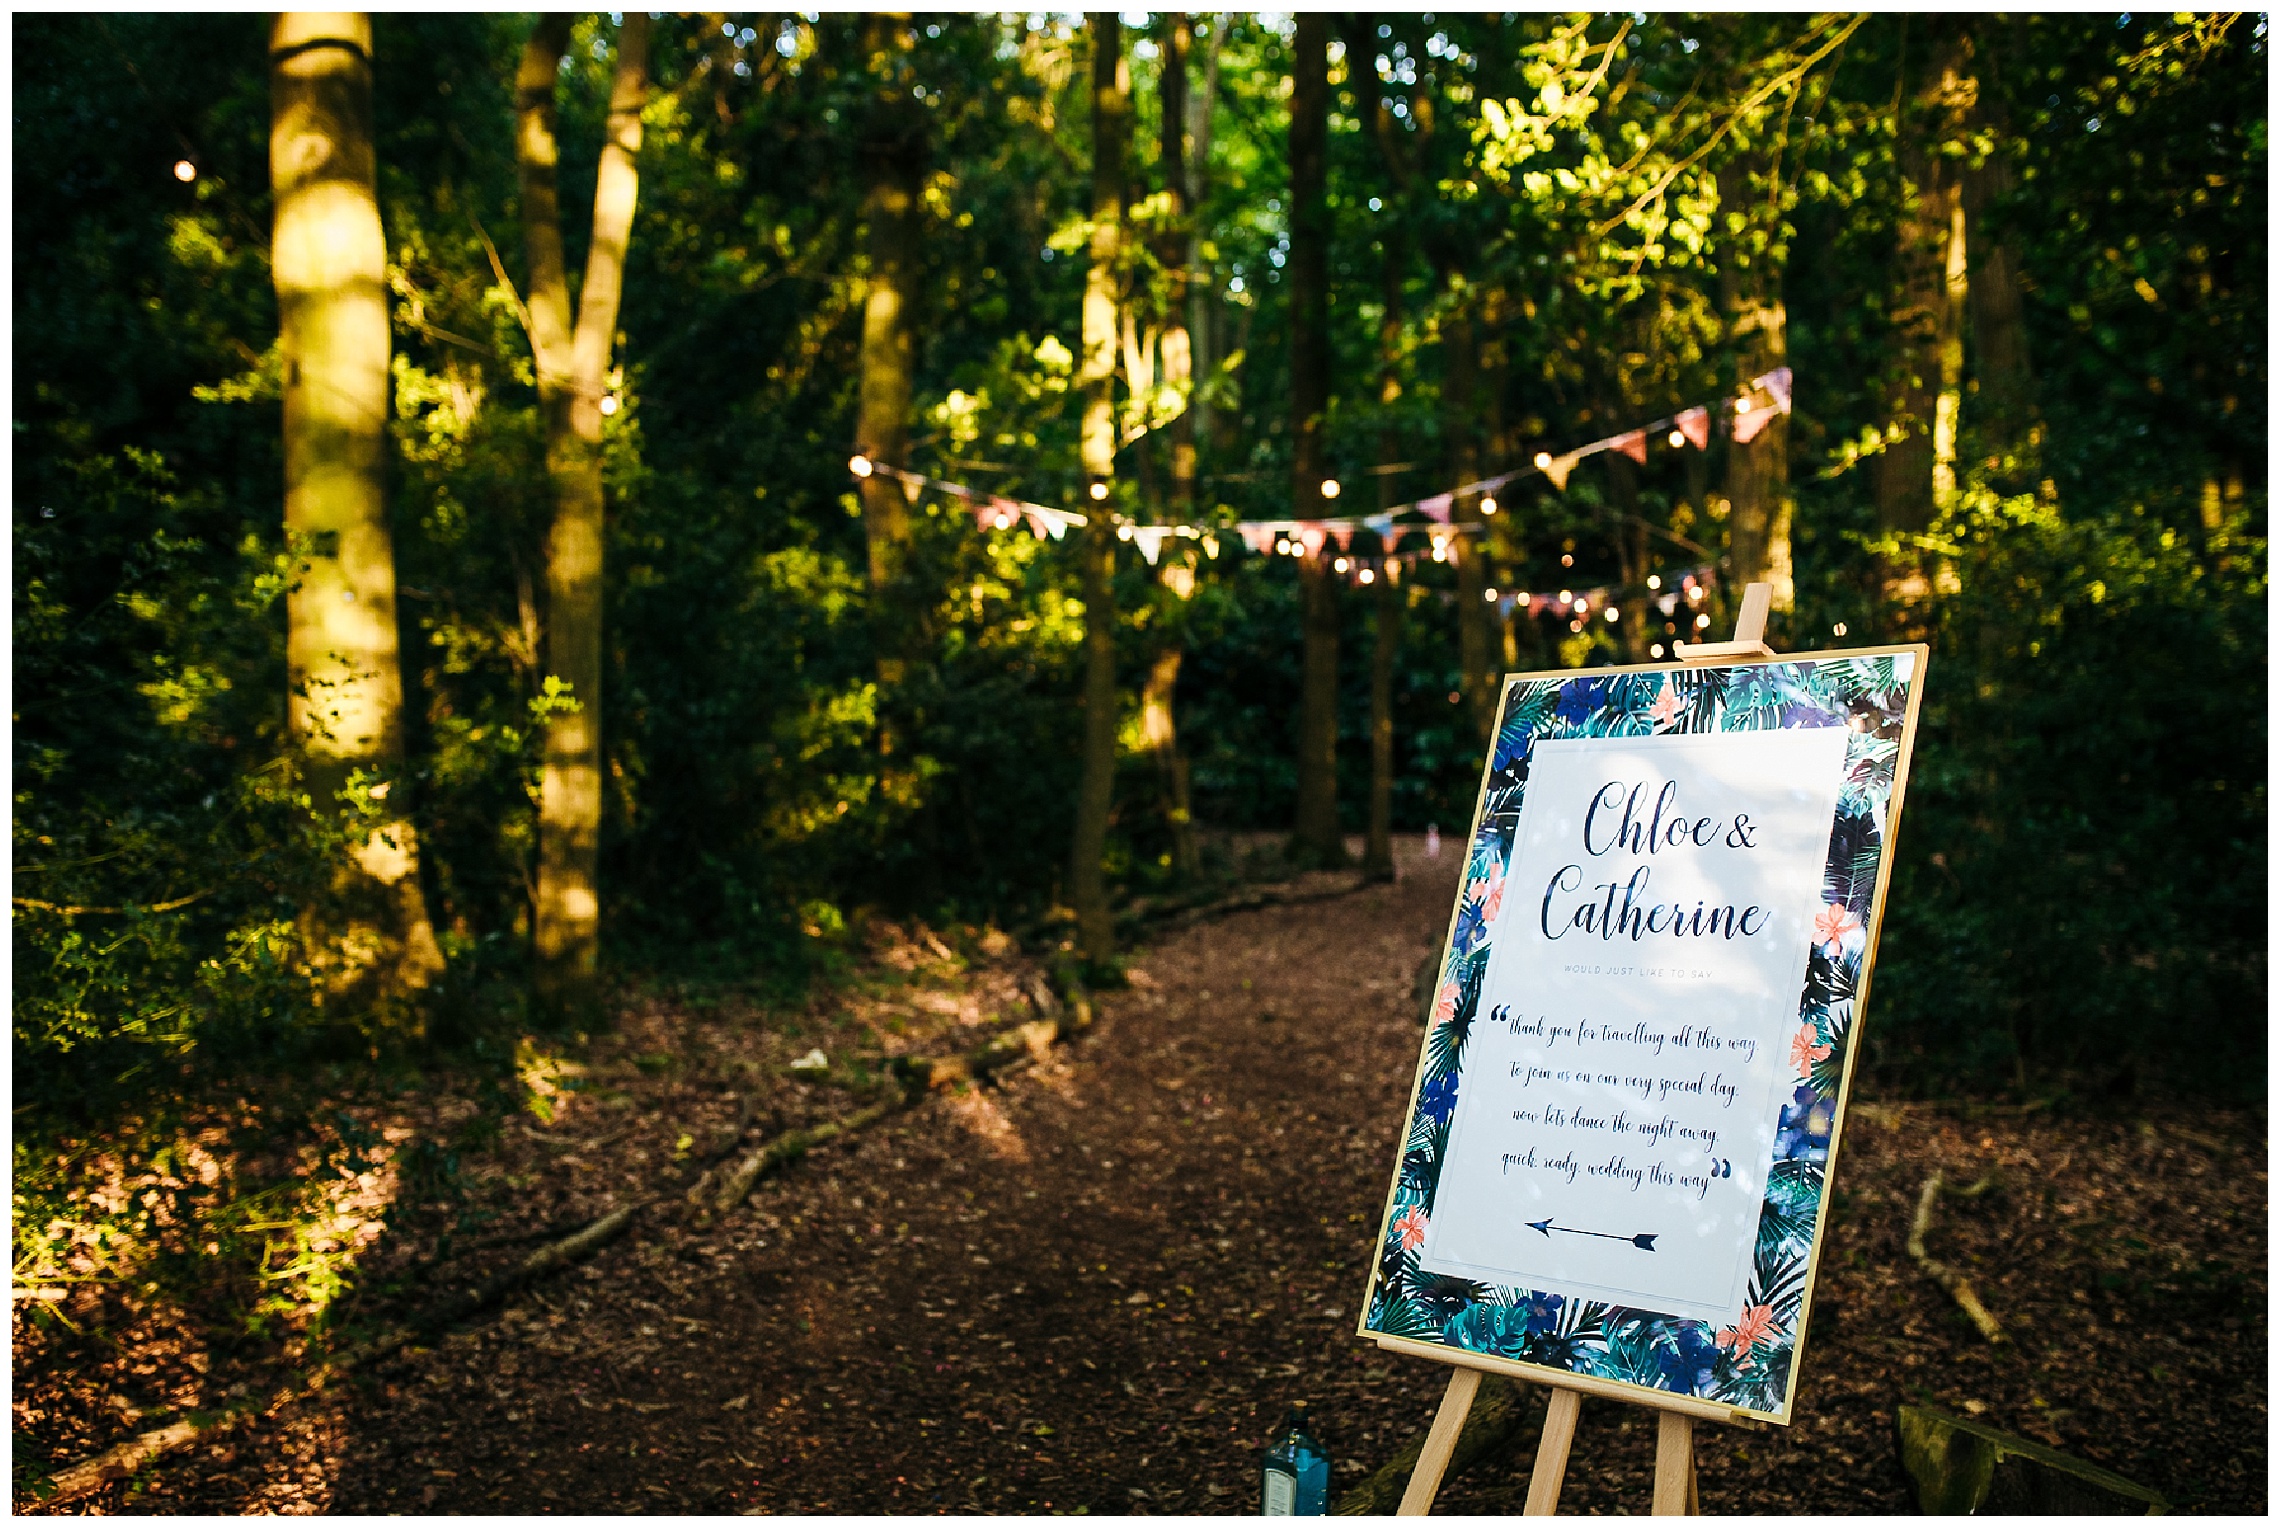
(1645, 1242)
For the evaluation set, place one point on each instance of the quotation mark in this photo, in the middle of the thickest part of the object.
(1721, 1168)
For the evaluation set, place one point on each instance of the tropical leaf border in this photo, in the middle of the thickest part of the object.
(1751, 1366)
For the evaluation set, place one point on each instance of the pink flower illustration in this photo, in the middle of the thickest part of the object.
(1666, 706)
(1445, 1005)
(1756, 1326)
(1806, 1049)
(1832, 923)
(1410, 1227)
(1489, 893)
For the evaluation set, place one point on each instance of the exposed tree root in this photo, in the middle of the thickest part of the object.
(124, 1459)
(1958, 1287)
(1065, 1017)
(914, 1079)
(1501, 1412)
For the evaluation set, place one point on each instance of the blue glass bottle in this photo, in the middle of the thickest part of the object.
(1294, 1480)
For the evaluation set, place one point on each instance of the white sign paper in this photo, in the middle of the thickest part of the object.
(1627, 1064)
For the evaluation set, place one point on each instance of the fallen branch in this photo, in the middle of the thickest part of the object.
(1958, 1287)
(1501, 1412)
(793, 1145)
(124, 1459)
(917, 1076)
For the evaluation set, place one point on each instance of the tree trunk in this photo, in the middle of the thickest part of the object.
(1377, 857)
(2006, 397)
(369, 935)
(1172, 255)
(573, 374)
(1630, 537)
(1926, 322)
(894, 163)
(1315, 836)
(1112, 126)
(1201, 283)
(1460, 386)
(1160, 735)
(1757, 474)
(1159, 722)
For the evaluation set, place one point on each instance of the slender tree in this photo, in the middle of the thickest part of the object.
(1159, 726)
(1916, 471)
(370, 935)
(1757, 331)
(894, 149)
(2003, 367)
(573, 370)
(1385, 649)
(1096, 550)
(1315, 835)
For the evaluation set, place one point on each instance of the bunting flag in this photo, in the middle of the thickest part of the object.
(1557, 468)
(1758, 403)
(1753, 413)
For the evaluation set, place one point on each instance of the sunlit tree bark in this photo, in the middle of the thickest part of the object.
(573, 374)
(1757, 327)
(370, 935)
(1096, 550)
(894, 161)
(1315, 837)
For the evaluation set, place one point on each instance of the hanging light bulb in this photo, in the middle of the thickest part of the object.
(1694, 594)
(1367, 576)
(1582, 605)
(1487, 505)
(1613, 615)
(1543, 460)
(1566, 595)
(1654, 580)
(1440, 551)
(609, 406)
(1330, 488)
(185, 171)
(1522, 596)
(1003, 520)
(1839, 628)
(1677, 439)
(1567, 559)
(859, 465)
(1124, 533)
(1489, 595)
(1701, 621)
(1282, 546)
(1342, 564)
(1098, 488)
(1655, 651)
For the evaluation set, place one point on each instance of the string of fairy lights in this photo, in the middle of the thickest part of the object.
(1678, 599)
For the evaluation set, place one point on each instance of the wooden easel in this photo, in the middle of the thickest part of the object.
(1675, 1491)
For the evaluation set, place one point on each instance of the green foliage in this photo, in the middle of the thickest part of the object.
(2079, 867)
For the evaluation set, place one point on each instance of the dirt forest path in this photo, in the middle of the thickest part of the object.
(1098, 1286)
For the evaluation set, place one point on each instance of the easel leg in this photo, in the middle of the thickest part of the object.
(1545, 1480)
(1440, 1443)
(1674, 1467)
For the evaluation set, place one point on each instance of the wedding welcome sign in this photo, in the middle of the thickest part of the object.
(1618, 1145)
